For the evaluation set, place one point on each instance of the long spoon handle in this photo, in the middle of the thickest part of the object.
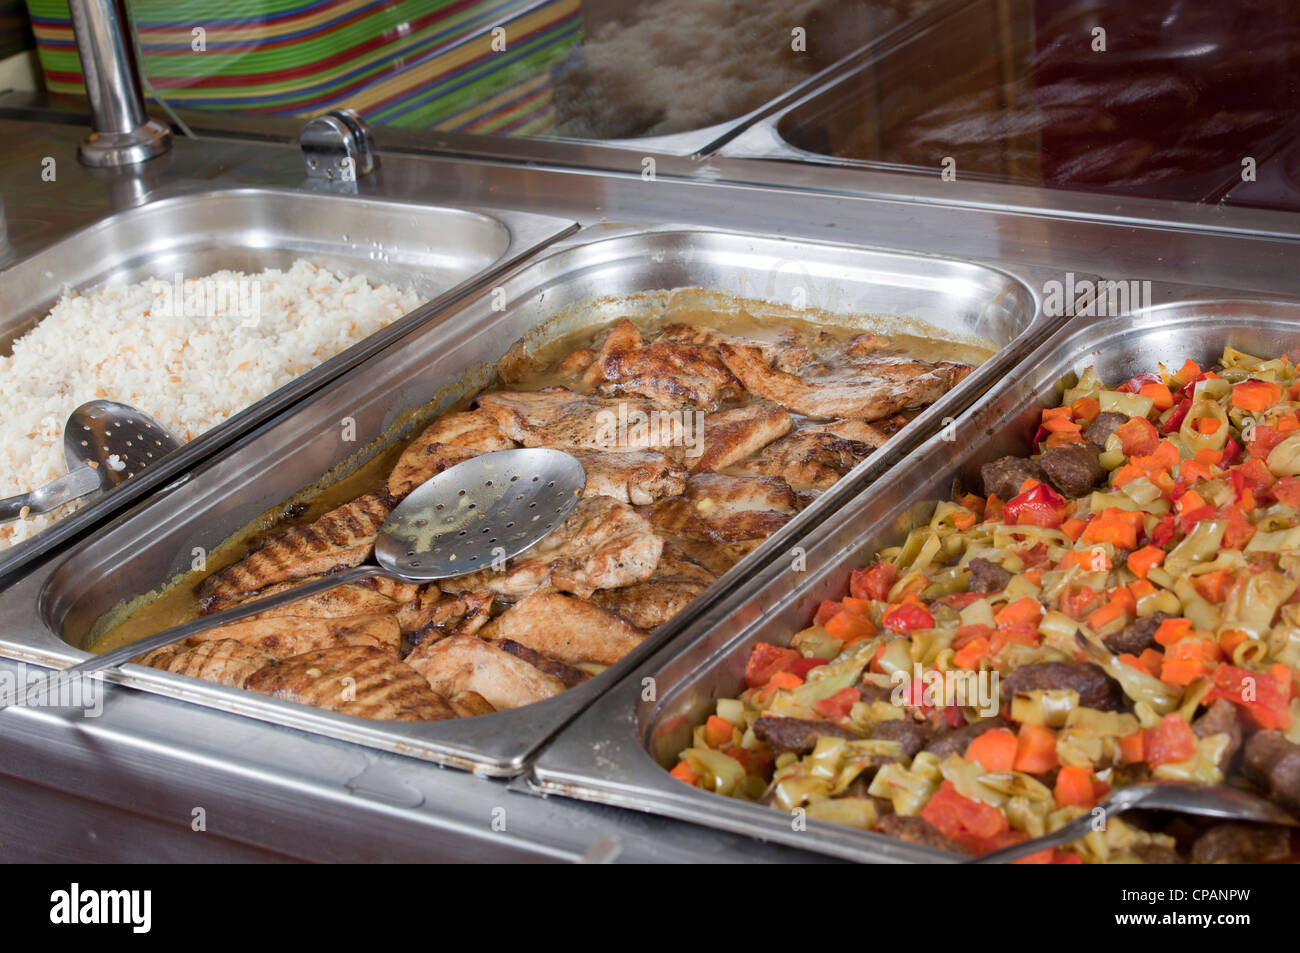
(72, 485)
(1072, 830)
(99, 663)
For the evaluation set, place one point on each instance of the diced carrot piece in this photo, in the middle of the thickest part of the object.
(1130, 748)
(1112, 610)
(1188, 372)
(1288, 424)
(1126, 475)
(1208, 425)
(972, 502)
(1151, 660)
(1074, 784)
(684, 772)
(1089, 560)
(1061, 425)
(1181, 671)
(1052, 413)
(1035, 749)
(971, 654)
(1213, 586)
(717, 731)
(1254, 395)
(1131, 660)
(964, 521)
(1020, 634)
(849, 627)
(1190, 502)
(1163, 457)
(1140, 589)
(1194, 471)
(1160, 395)
(1086, 409)
(786, 680)
(1229, 639)
(995, 750)
(1034, 574)
(993, 509)
(1209, 457)
(1143, 560)
(1173, 630)
(1073, 527)
(855, 605)
(1024, 611)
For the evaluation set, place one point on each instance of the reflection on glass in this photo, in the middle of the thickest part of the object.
(586, 69)
(1165, 98)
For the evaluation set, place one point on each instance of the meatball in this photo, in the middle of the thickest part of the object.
(1002, 478)
(986, 576)
(1101, 428)
(1096, 689)
(1073, 469)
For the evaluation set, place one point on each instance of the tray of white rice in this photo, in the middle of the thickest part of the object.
(213, 312)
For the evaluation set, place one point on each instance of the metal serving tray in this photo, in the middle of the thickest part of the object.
(978, 45)
(440, 252)
(48, 616)
(616, 751)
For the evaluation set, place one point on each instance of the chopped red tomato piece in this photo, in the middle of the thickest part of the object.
(838, 705)
(873, 582)
(908, 617)
(1169, 742)
(765, 661)
(1265, 698)
(964, 820)
(1040, 505)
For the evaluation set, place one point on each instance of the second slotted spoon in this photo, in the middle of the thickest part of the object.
(468, 517)
(104, 443)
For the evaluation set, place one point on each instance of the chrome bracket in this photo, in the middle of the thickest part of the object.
(338, 146)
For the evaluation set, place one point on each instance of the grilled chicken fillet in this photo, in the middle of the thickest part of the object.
(465, 663)
(460, 614)
(815, 457)
(449, 440)
(337, 603)
(562, 627)
(224, 661)
(284, 636)
(355, 680)
(732, 435)
(722, 509)
(669, 373)
(342, 538)
(677, 580)
(602, 544)
(559, 418)
(639, 476)
(871, 392)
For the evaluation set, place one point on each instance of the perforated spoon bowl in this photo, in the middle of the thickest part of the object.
(104, 443)
(1182, 797)
(469, 517)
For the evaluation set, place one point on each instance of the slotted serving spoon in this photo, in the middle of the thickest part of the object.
(104, 443)
(468, 517)
(1180, 796)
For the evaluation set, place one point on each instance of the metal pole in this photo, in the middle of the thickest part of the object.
(123, 132)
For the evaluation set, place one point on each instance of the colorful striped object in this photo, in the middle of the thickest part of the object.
(446, 65)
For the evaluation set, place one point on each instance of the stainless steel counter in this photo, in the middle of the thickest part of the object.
(125, 786)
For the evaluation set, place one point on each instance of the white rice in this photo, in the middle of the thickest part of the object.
(135, 344)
